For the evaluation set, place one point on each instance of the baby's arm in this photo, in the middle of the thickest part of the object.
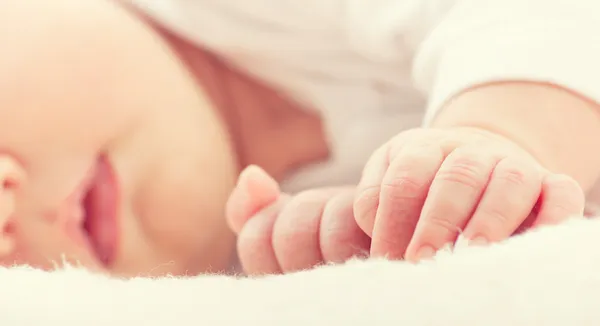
(547, 277)
(527, 70)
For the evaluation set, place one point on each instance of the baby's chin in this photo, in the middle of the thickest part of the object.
(162, 262)
(158, 268)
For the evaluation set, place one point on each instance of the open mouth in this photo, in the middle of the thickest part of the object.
(100, 204)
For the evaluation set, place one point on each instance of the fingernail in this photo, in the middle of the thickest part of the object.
(247, 173)
(258, 179)
(478, 241)
(426, 252)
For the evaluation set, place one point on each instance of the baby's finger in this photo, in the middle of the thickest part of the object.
(341, 238)
(296, 231)
(368, 191)
(562, 198)
(255, 241)
(254, 191)
(452, 199)
(403, 192)
(366, 200)
(511, 195)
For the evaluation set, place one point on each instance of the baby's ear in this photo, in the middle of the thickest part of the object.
(11, 178)
(254, 191)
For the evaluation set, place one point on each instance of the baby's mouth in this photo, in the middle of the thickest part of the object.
(100, 218)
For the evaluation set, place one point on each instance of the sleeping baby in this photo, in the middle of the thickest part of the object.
(387, 129)
(381, 128)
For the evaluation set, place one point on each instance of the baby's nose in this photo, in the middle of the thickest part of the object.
(11, 176)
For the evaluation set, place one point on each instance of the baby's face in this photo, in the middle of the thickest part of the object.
(118, 132)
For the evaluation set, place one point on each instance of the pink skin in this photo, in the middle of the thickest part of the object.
(422, 188)
(85, 83)
(426, 186)
(281, 233)
(128, 140)
(74, 93)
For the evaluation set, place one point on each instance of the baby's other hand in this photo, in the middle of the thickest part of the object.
(282, 233)
(424, 187)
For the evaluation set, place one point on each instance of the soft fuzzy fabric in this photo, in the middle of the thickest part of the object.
(547, 277)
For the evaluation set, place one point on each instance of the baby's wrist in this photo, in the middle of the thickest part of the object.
(558, 128)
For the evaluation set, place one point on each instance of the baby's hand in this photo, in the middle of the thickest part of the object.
(425, 186)
(281, 233)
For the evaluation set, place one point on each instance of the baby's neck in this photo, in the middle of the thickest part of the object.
(266, 128)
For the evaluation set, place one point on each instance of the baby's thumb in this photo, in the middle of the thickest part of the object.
(254, 191)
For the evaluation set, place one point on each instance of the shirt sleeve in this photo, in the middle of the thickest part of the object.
(483, 41)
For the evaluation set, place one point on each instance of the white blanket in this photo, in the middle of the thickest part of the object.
(547, 277)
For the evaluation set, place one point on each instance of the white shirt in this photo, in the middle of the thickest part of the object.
(373, 68)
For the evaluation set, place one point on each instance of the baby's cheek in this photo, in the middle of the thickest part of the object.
(184, 232)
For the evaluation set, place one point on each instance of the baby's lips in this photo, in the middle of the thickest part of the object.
(254, 191)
